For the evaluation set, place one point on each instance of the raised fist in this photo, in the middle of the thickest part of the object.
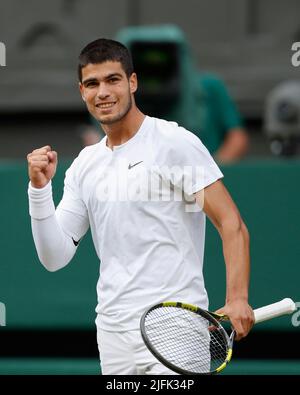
(42, 164)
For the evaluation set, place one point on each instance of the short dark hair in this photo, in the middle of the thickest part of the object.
(103, 50)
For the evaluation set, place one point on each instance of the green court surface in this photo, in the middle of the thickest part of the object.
(90, 366)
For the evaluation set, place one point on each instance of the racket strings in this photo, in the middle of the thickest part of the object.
(185, 339)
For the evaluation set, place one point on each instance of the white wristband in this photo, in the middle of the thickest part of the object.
(41, 203)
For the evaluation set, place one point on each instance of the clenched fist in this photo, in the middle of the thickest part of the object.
(42, 164)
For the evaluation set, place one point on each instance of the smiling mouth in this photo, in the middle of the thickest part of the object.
(105, 106)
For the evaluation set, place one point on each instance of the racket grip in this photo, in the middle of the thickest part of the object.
(285, 306)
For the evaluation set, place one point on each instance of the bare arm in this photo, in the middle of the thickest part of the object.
(234, 147)
(220, 208)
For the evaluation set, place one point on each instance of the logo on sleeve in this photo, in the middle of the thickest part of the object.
(75, 242)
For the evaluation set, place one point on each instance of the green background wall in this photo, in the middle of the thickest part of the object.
(267, 194)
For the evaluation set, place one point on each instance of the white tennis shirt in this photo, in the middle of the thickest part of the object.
(147, 229)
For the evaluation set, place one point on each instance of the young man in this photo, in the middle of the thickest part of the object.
(140, 189)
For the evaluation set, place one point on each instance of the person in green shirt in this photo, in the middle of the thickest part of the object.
(222, 130)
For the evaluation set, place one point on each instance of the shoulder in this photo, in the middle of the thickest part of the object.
(212, 85)
(172, 133)
(175, 143)
(209, 79)
(211, 82)
(84, 158)
(88, 151)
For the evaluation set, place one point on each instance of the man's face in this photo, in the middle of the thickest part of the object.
(107, 91)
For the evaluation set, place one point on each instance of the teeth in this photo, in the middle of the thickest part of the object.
(105, 105)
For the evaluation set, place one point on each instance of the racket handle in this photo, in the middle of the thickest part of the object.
(285, 306)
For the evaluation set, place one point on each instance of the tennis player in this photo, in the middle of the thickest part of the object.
(144, 190)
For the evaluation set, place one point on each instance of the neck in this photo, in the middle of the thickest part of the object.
(120, 132)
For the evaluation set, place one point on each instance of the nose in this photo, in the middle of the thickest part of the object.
(102, 92)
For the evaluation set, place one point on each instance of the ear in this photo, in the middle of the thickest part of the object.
(81, 88)
(133, 83)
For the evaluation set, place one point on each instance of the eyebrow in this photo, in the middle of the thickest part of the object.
(107, 77)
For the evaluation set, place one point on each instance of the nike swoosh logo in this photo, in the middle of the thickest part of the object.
(130, 166)
(75, 242)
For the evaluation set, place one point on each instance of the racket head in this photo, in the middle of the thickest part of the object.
(186, 338)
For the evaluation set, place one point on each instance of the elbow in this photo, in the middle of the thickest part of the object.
(51, 268)
(54, 259)
(241, 229)
(245, 232)
(234, 225)
(244, 144)
(52, 264)
(241, 139)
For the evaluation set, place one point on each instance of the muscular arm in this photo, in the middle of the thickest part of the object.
(220, 208)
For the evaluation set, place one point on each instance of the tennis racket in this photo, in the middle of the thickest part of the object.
(189, 340)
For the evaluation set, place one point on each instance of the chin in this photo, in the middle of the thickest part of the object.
(108, 121)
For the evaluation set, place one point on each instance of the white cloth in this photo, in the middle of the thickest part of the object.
(125, 353)
(146, 227)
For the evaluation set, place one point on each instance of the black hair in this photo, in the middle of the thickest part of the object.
(103, 50)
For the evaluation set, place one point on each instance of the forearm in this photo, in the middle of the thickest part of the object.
(54, 247)
(222, 211)
(237, 259)
(234, 147)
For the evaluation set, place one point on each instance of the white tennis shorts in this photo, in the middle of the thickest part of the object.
(125, 353)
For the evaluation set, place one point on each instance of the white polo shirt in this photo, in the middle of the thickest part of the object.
(147, 229)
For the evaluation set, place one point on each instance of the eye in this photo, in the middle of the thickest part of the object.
(91, 84)
(113, 79)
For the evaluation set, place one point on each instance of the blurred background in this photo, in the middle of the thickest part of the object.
(224, 69)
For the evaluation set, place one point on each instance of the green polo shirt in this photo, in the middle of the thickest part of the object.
(216, 111)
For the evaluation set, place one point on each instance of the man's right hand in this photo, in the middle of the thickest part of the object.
(42, 164)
